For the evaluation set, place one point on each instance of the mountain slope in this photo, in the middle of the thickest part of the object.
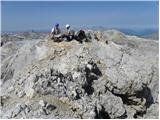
(44, 79)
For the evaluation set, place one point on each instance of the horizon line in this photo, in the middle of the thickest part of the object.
(92, 27)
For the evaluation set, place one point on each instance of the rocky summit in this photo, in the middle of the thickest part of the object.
(112, 75)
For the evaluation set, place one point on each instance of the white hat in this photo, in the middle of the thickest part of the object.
(67, 25)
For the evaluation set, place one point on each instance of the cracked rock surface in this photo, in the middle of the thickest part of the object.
(95, 79)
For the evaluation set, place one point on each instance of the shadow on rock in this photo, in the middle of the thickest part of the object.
(92, 73)
(142, 99)
(102, 114)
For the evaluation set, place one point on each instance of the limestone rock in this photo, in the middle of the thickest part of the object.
(91, 79)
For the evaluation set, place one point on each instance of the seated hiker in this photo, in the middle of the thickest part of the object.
(80, 36)
(56, 32)
(69, 34)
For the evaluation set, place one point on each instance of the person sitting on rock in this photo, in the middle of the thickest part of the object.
(56, 32)
(69, 34)
(81, 36)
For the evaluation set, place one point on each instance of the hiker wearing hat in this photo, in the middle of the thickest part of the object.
(55, 32)
(69, 34)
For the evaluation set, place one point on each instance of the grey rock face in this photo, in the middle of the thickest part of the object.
(19, 110)
(112, 105)
(88, 80)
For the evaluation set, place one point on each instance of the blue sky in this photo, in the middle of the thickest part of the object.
(17, 16)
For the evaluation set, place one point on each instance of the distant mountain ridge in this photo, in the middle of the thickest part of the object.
(151, 33)
(154, 36)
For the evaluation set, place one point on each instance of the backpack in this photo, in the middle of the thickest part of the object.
(81, 34)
